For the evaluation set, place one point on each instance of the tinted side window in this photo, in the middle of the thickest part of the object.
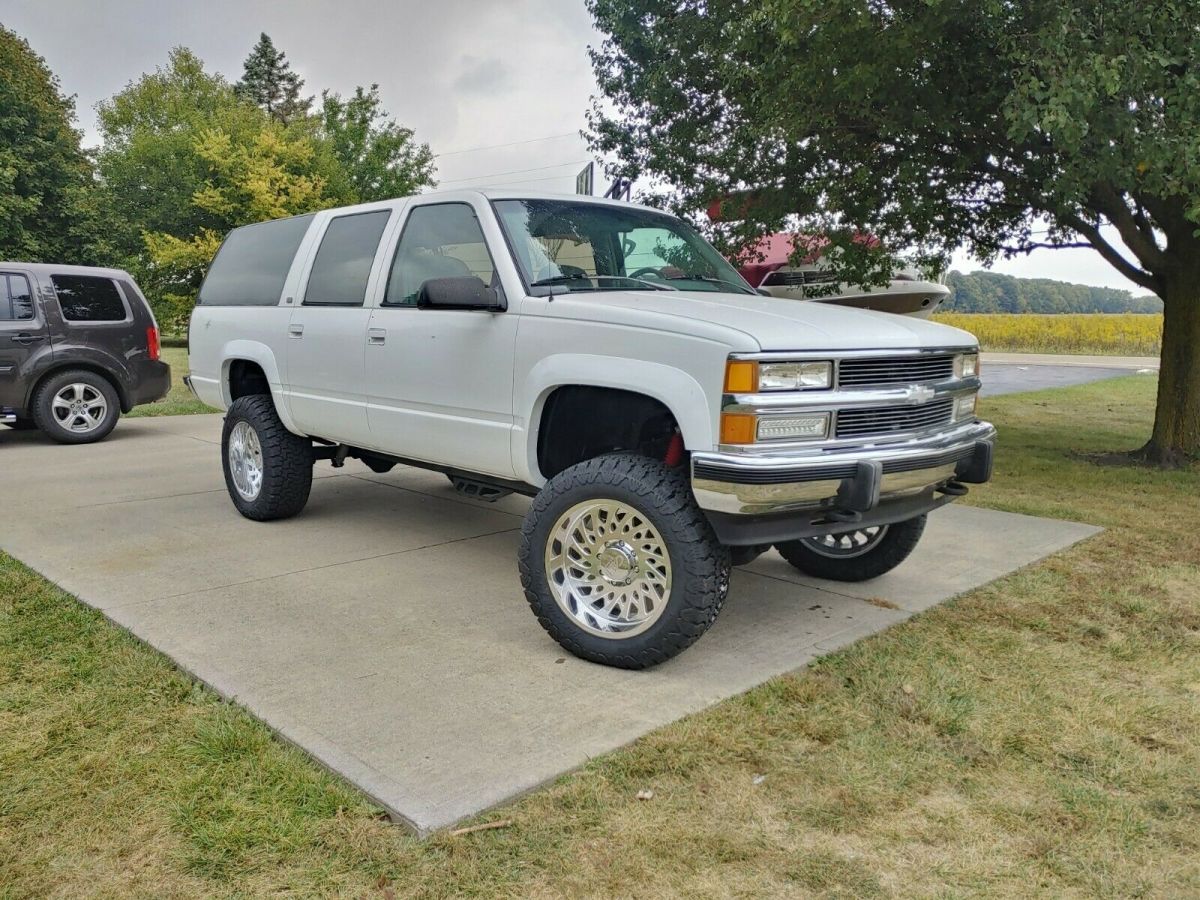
(343, 264)
(253, 263)
(442, 240)
(88, 298)
(16, 301)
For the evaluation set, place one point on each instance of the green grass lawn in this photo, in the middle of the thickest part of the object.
(1040, 735)
(180, 401)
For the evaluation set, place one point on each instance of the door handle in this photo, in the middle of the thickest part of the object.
(27, 339)
(377, 336)
(295, 331)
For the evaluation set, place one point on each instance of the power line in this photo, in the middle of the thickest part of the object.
(549, 137)
(522, 181)
(517, 172)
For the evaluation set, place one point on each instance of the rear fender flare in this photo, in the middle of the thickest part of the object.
(256, 352)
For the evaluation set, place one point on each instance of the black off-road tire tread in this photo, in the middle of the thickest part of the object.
(700, 563)
(900, 541)
(287, 461)
(44, 419)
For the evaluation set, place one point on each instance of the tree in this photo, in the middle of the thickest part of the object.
(379, 157)
(184, 160)
(45, 178)
(269, 82)
(268, 175)
(933, 124)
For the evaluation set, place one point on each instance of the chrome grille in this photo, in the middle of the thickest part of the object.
(885, 420)
(895, 370)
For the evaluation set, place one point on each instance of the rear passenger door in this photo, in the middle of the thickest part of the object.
(23, 337)
(327, 333)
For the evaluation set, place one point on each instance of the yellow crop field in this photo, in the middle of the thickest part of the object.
(1103, 334)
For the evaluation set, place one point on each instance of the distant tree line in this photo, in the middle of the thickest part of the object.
(991, 292)
(185, 156)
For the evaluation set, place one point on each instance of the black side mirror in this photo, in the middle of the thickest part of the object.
(459, 292)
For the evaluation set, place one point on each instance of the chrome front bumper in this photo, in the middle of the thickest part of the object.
(856, 480)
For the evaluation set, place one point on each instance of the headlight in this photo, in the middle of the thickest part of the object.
(744, 376)
(964, 408)
(966, 365)
(806, 427)
(794, 376)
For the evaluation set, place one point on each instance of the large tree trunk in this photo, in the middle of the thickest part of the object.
(1176, 437)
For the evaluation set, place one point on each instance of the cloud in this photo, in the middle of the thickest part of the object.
(484, 77)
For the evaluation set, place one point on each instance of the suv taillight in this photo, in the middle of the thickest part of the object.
(152, 342)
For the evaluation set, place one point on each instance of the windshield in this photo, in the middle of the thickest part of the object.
(567, 246)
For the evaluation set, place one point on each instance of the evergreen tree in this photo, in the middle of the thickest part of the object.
(269, 82)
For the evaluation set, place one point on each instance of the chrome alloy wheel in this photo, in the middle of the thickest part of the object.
(608, 568)
(847, 544)
(245, 460)
(79, 408)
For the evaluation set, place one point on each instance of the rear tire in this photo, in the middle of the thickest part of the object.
(857, 554)
(619, 564)
(76, 407)
(268, 470)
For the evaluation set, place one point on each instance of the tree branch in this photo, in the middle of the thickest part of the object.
(1138, 276)
(1142, 242)
(1026, 247)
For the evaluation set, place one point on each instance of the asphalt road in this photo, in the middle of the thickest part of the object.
(1008, 378)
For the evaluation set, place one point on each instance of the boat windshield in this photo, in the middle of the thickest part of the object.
(574, 246)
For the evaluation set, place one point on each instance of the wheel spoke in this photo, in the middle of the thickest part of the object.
(608, 568)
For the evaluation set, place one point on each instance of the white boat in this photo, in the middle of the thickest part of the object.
(909, 292)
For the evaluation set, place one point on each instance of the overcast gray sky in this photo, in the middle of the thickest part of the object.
(463, 73)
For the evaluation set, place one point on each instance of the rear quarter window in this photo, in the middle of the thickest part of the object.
(89, 298)
(253, 263)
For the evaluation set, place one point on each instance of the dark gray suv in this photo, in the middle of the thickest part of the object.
(78, 347)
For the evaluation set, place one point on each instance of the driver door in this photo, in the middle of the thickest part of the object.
(440, 381)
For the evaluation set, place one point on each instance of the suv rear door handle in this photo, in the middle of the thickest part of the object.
(295, 331)
(377, 336)
(25, 338)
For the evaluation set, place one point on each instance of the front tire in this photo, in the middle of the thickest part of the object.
(619, 564)
(856, 555)
(268, 470)
(76, 407)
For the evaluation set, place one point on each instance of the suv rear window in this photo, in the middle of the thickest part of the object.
(89, 298)
(253, 263)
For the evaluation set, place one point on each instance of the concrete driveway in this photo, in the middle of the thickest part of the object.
(384, 630)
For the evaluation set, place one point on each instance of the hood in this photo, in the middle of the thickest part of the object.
(773, 323)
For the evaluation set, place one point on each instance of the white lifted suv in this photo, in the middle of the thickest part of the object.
(668, 420)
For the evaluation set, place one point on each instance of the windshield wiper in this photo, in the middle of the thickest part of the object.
(741, 289)
(567, 279)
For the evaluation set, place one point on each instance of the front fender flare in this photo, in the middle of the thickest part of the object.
(673, 388)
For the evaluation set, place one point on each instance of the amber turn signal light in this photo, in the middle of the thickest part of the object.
(741, 377)
(738, 428)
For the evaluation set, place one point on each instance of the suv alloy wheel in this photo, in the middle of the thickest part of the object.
(268, 470)
(619, 564)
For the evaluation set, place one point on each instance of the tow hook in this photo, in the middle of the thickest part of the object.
(953, 489)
